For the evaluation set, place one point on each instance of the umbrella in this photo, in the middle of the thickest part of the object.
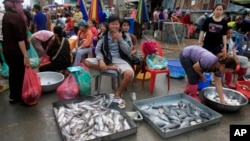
(83, 9)
(95, 12)
(142, 13)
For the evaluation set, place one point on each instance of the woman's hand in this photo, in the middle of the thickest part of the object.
(26, 61)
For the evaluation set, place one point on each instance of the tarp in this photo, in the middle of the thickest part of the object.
(142, 13)
(95, 12)
(83, 10)
(245, 3)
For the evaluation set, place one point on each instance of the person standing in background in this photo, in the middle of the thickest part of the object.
(77, 16)
(29, 17)
(48, 17)
(15, 47)
(186, 23)
(40, 19)
(215, 28)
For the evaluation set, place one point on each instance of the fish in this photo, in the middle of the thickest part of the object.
(230, 100)
(89, 119)
(184, 124)
(176, 116)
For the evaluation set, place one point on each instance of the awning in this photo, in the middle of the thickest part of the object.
(245, 3)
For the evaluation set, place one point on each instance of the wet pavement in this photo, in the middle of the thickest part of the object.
(37, 123)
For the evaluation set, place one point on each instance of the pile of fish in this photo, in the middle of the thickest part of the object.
(89, 119)
(230, 101)
(172, 117)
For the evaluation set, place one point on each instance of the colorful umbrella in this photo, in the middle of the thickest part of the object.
(95, 12)
(83, 10)
(142, 13)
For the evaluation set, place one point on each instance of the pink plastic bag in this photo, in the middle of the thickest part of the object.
(32, 89)
(68, 89)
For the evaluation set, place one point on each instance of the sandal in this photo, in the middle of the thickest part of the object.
(4, 88)
(121, 103)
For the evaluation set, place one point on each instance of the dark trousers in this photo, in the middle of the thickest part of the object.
(187, 64)
(16, 74)
(76, 29)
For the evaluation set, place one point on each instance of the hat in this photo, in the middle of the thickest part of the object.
(82, 23)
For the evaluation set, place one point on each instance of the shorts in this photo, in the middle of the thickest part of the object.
(123, 65)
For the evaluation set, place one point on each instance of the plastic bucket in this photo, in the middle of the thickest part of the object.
(202, 85)
(244, 88)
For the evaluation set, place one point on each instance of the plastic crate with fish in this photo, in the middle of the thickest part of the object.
(244, 88)
(175, 114)
(93, 118)
(175, 68)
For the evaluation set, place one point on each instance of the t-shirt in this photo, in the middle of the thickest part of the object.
(214, 31)
(43, 35)
(77, 16)
(203, 56)
(40, 20)
(243, 27)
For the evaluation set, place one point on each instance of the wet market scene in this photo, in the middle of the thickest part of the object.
(124, 70)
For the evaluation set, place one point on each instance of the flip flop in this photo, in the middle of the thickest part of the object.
(4, 88)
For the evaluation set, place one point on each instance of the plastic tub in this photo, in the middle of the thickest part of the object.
(202, 85)
(244, 88)
(175, 68)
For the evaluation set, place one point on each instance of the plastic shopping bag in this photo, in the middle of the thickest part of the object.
(44, 60)
(34, 58)
(68, 89)
(32, 89)
(84, 81)
(154, 61)
(4, 66)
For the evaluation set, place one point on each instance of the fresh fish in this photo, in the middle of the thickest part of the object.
(205, 115)
(231, 100)
(171, 126)
(163, 117)
(89, 120)
(101, 133)
(166, 109)
(184, 124)
(126, 125)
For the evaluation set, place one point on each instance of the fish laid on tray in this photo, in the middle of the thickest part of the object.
(228, 100)
(172, 117)
(89, 119)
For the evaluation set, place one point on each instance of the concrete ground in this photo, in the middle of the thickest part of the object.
(37, 123)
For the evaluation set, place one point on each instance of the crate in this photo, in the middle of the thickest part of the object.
(244, 88)
(175, 68)
(173, 99)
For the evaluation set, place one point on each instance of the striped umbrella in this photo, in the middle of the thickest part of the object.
(142, 12)
(83, 9)
(95, 12)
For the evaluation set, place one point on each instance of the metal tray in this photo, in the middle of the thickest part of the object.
(132, 130)
(173, 99)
